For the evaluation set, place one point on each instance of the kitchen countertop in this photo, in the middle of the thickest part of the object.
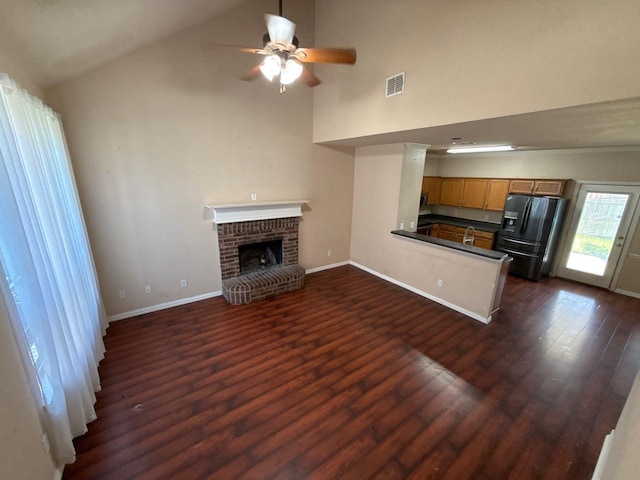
(482, 252)
(432, 219)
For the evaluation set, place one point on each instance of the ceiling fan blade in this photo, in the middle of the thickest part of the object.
(253, 73)
(326, 55)
(280, 29)
(309, 78)
(239, 48)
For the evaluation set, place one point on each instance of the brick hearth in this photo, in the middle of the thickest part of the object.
(244, 288)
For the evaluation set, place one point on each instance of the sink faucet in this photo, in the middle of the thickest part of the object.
(469, 236)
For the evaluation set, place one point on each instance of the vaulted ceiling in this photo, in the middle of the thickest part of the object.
(56, 40)
(59, 39)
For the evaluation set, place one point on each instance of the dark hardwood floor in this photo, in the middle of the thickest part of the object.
(353, 377)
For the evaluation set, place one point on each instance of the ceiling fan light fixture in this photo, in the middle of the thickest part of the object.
(271, 67)
(481, 149)
(291, 71)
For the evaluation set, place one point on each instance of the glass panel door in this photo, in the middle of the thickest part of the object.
(598, 230)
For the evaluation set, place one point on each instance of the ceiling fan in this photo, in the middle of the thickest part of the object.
(285, 58)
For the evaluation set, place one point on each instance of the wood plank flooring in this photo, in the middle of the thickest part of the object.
(355, 378)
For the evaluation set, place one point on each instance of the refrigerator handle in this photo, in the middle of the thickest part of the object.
(527, 209)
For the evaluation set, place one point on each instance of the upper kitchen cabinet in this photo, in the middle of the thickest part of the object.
(431, 186)
(480, 193)
(451, 191)
(497, 192)
(474, 192)
(537, 187)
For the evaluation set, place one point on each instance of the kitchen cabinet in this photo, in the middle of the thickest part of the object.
(537, 187)
(431, 186)
(497, 192)
(447, 232)
(521, 186)
(451, 191)
(474, 192)
(549, 187)
(483, 239)
(478, 193)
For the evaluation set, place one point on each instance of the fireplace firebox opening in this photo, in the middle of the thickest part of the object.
(259, 256)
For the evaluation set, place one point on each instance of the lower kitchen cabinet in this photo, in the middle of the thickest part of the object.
(481, 238)
(447, 232)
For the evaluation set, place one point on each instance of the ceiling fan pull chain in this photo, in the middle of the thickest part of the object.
(280, 7)
(283, 89)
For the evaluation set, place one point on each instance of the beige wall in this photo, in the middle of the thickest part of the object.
(21, 452)
(156, 135)
(623, 462)
(415, 264)
(629, 278)
(466, 61)
(18, 74)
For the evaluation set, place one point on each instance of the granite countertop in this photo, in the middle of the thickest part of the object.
(482, 252)
(431, 219)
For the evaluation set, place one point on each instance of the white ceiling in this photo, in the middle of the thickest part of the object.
(59, 39)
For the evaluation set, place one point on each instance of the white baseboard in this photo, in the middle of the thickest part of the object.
(162, 306)
(327, 267)
(457, 308)
(184, 301)
(602, 459)
(627, 293)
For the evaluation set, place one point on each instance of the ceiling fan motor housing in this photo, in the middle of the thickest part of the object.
(266, 39)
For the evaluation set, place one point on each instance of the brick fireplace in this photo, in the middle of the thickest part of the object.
(243, 225)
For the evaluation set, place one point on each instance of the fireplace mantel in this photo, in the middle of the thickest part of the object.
(247, 212)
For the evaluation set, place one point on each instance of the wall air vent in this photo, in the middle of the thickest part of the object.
(395, 85)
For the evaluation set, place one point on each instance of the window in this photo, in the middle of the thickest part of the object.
(47, 273)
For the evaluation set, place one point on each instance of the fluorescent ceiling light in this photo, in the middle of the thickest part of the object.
(495, 148)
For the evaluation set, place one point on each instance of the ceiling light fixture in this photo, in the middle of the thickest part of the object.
(271, 66)
(276, 65)
(481, 149)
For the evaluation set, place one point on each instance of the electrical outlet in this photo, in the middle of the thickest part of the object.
(412, 225)
(122, 295)
(439, 283)
(328, 253)
(401, 226)
(486, 217)
(254, 197)
(147, 289)
(183, 283)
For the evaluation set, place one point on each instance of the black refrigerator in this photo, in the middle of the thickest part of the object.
(530, 230)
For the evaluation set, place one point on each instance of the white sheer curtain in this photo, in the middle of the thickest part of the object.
(48, 277)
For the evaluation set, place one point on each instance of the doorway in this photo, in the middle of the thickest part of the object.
(596, 237)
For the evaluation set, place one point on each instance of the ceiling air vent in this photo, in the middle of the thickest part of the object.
(395, 85)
